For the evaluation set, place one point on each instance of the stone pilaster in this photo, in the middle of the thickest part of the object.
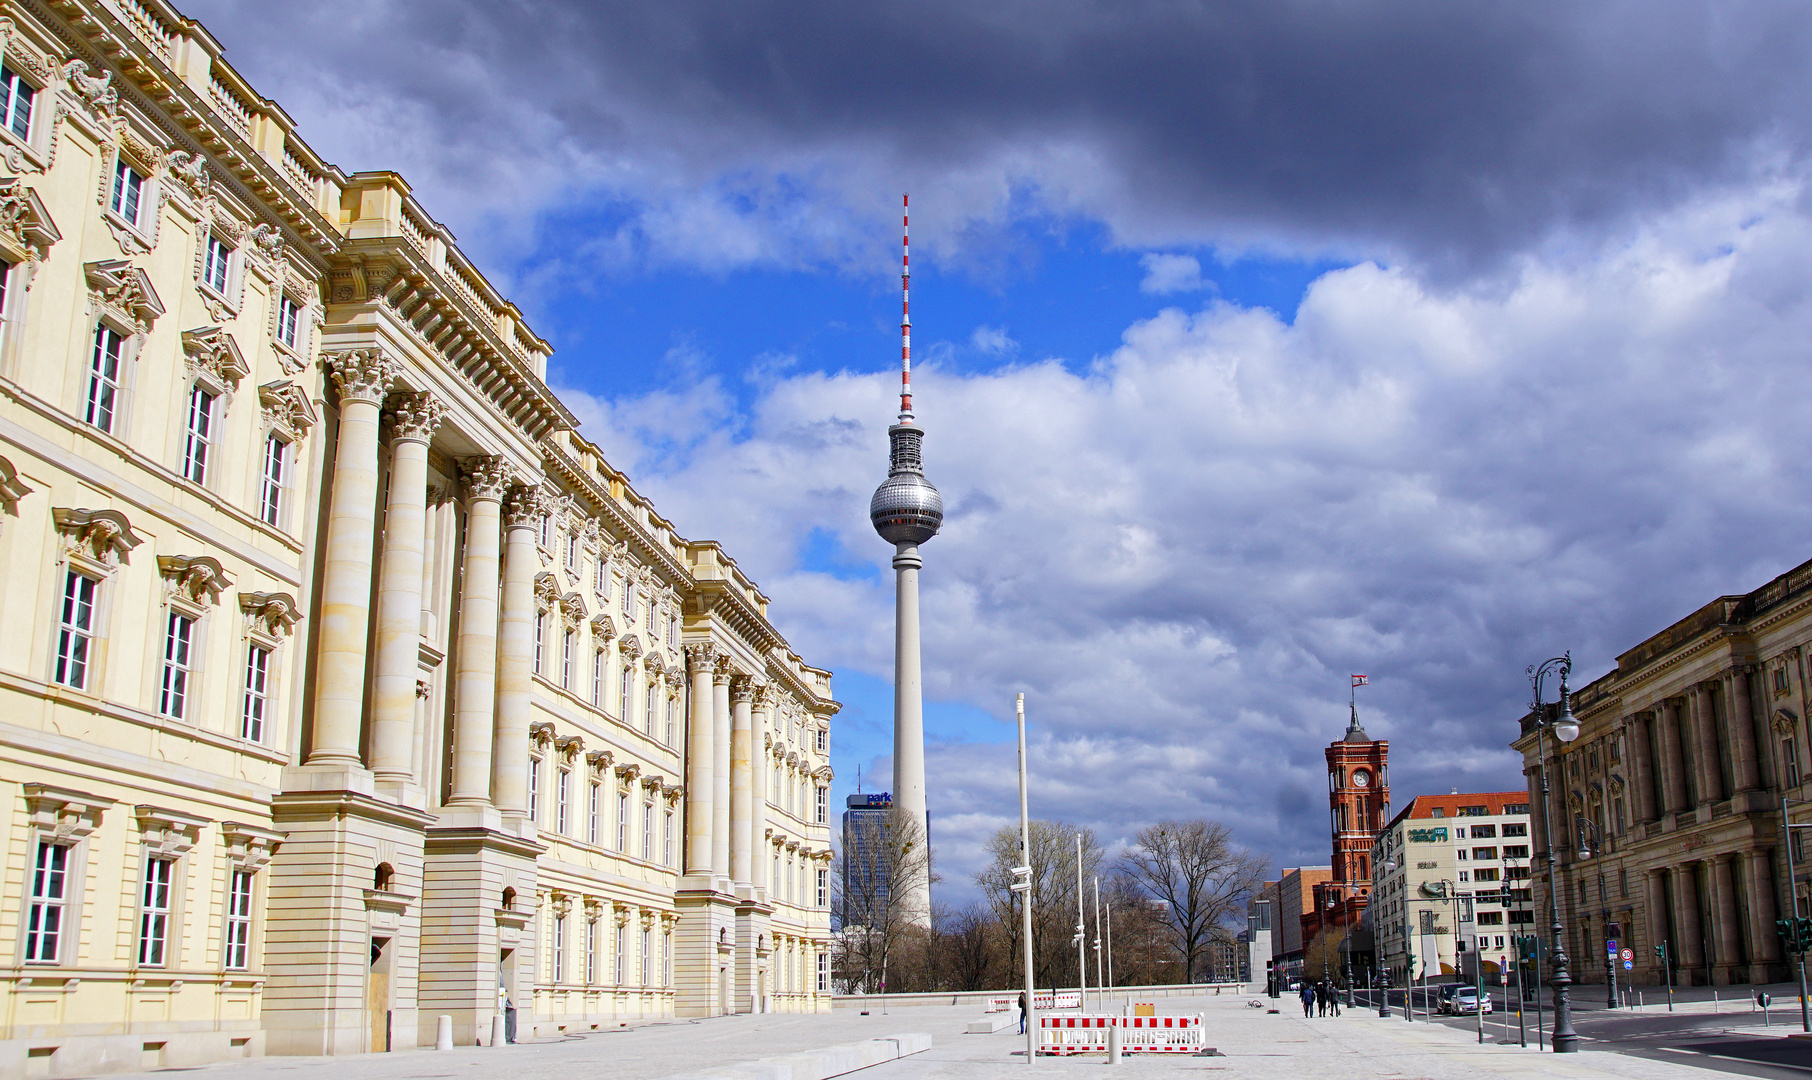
(1691, 956)
(762, 725)
(1674, 756)
(361, 377)
(702, 660)
(1758, 882)
(515, 653)
(1743, 756)
(1726, 957)
(742, 806)
(475, 658)
(720, 770)
(1643, 765)
(1704, 724)
(413, 418)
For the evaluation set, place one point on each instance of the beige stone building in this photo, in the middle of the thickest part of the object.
(1667, 808)
(342, 684)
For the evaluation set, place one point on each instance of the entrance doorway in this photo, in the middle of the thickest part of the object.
(377, 996)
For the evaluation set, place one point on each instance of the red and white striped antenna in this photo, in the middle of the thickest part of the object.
(905, 309)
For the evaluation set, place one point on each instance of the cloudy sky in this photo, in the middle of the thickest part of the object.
(1261, 342)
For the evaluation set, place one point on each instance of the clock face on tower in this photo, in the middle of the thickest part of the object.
(1362, 779)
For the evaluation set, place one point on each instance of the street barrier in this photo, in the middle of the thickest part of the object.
(1138, 1034)
(1071, 999)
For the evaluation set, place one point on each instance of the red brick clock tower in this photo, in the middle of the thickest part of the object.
(1358, 807)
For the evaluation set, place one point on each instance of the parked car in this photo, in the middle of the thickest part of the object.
(1444, 1003)
(1467, 1001)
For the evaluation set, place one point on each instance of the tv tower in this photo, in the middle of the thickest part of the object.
(907, 511)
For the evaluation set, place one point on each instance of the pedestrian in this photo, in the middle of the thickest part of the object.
(1022, 1012)
(1321, 999)
(1308, 1000)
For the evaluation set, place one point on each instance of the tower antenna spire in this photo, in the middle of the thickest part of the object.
(905, 309)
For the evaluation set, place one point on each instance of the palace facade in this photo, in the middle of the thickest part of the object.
(343, 685)
(1667, 809)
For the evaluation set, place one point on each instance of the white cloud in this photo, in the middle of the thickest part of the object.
(993, 341)
(1166, 274)
(1182, 550)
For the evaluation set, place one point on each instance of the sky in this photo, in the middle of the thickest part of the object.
(1258, 343)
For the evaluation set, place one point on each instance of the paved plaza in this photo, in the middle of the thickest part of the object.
(1251, 1042)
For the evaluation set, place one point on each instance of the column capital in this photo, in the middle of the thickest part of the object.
(701, 657)
(744, 689)
(485, 477)
(523, 506)
(414, 414)
(360, 374)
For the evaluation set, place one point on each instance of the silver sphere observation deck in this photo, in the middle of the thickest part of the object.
(906, 509)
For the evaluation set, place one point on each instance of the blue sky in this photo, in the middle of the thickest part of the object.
(1258, 343)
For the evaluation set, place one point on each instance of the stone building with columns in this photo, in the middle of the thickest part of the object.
(1666, 811)
(343, 684)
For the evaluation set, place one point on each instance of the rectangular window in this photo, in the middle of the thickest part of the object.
(75, 631)
(1484, 853)
(823, 888)
(1516, 851)
(270, 480)
(1516, 828)
(667, 711)
(591, 951)
(648, 832)
(623, 693)
(546, 530)
(534, 790)
(559, 948)
(128, 187)
(648, 712)
(1485, 873)
(568, 645)
(104, 373)
(623, 823)
(16, 97)
(629, 605)
(214, 263)
(667, 839)
(1790, 756)
(154, 912)
(666, 958)
(597, 678)
(199, 437)
(647, 966)
(823, 805)
(540, 635)
(49, 897)
(572, 550)
(563, 789)
(257, 693)
(289, 317)
(591, 813)
(1490, 918)
(239, 921)
(622, 948)
(673, 629)
(824, 737)
(824, 973)
(179, 658)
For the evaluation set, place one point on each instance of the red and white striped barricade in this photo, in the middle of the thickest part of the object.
(1002, 1003)
(1074, 1034)
(1161, 1034)
(1062, 999)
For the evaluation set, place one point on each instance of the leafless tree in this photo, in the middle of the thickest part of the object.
(876, 917)
(1194, 869)
(969, 939)
(1052, 896)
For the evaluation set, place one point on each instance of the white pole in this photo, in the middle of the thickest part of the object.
(1100, 983)
(1025, 894)
(1110, 942)
(1081, 932)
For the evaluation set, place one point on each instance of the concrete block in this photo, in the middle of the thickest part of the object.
(991, 1025)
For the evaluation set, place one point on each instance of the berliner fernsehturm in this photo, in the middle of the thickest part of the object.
(906, 511)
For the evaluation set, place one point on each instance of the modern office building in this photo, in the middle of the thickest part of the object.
(344, 684)
(865, 884)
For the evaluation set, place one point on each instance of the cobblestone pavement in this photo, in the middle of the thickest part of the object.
(1255, 1045)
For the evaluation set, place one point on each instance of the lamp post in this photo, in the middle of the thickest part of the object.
(1566, 729)
(1586, 826)
(1022, 884)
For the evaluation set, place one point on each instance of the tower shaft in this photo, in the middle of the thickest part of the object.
(909, 728)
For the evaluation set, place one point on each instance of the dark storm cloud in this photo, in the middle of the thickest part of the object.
(1444, 132)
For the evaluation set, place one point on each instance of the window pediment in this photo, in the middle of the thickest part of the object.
(270, 614)
(26, 228)
(286, 407)
(167, 832)
(211, 351)
(119, 289)
(62, 814)
(199, 579)
(101, 535)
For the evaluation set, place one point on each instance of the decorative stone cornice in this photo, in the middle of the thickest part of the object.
(360, 375)
(199, 579)
(272, 614)
(249, 847)
(211, 351)
(485, 477)
(167, 832)
(12, 489)
(541, 734)
(603, 628)
(628, 771)
(414, 414)
(26, 230)
(62, 814)
(104, 535)
(569, 746)
(285, 407)
(523, 506)
(119, 289)
(547, 591)
(600, 760)
(572, 609)
(631, 647)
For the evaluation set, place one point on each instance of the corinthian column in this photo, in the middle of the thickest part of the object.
(760, 725)
(701, 660)
(475, 656)
(1742, 732)
(360, 376)
(720, 770)
(413, 417)
(1673, 756)
(516, 652)
(742, 805)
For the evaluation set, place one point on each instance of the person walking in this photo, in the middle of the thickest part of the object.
(1308, 1000)
(1321, 999)
(1022, 1012)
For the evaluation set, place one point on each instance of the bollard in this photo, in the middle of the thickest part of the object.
(1113, 1045)
(499, 1035)
(443, 1033)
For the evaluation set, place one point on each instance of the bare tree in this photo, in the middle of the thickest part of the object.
(1053, 894)
(1193, 868)
(876, 917)
(969, 940)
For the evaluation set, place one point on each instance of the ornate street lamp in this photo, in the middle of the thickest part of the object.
(1591, 838)
(1566, 729)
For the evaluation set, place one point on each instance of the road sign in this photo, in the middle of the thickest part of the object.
(1628, 964)
(1628, 955)
(1611, 947)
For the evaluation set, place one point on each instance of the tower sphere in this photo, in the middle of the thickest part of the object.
(906, 509)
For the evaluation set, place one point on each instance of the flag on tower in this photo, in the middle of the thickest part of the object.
(1360, 680)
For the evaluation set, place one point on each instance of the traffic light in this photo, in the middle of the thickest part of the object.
(1525, 948)
(1788, 929)
(1661, 950)
(1804, 926)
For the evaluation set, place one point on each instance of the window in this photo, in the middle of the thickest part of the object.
(545, 530)
(1780, 678)
(629, 604)
(568, 644)
(591, 951)
(591, 815)
(257, 704)
(179, 653)
(1485, 873)
(1484, 832)
(239, 921)
(1439, 812)
(540, 634)
(622, 945)
(1790, 757)
(824, 738)
(214, 263)
(1516, 828)
(601, 579)
(562, 790)
(667, 839)
(200, 436)
(648, 832)
(776, 878)
(667, 710)
(75, 631)
(823, 813)
(1522, 917)
(128, 192)
(572, 550)
(672, 629)
(289, 316)
(597, 678)
(49, 897)
(623, 823)
(647, 966)
(154, 912)
(16, 99)
(1623, 884)
(270, 480)
(1464, 876)
(1484, 853)
(648, 713)
(1515, 808)
(1516, 851)
(623, 692)
(666, 958)
(824, 973)
(824, 888)
(559, 948)
(534, 789)
(104, 373)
